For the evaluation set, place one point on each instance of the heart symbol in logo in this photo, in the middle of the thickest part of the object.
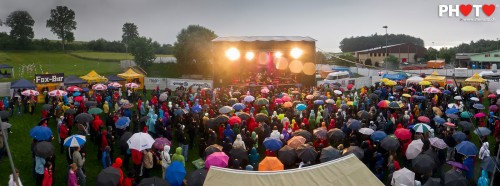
(488, 9)
(465, 9)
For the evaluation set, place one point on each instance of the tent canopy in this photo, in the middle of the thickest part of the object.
(5, 66)
(22, 83)
(130, 74)
(476, 78)
(343, 171)
(435, 77)
(114, 78)
(93, 76)
(73, 80)
(395, 77)
(414, 79)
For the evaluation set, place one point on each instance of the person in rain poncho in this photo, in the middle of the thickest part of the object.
(253, 157)
(238, 143)
(105, 107)
(165, 158)
(229, 133)
(312, 120)
(151, 125)
(275, 134)
(484, 151)
(178, 155)
(319, 118)
(12, 182)
(483, 180)
(263, 110)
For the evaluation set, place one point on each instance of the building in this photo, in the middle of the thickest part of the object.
(462, 60)
(405, 52)
(484, 60)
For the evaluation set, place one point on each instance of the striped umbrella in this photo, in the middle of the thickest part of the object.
(115, 84)
(57, 93)
(132, 85)
(74, 141)
(30, 93)
(421, 127)
(99, 87)
(74, 89)
(383, 104)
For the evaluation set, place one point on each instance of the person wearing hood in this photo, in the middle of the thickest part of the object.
(151, 124)
(165, 158)
(484, 151)
(106, 158)
(143, 109)
(178, 155)
(118, 166)
(483, 180)
(183, 141)
(312, 120)
(229, 133)
(238, 143)
(105, 107)
(253, 157)
(263, 110)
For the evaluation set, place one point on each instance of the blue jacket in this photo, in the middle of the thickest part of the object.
(39, 165)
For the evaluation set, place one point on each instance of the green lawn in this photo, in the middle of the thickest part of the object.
(108, 55)
(54, 62)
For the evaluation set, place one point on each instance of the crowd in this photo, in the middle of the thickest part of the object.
(389, 127)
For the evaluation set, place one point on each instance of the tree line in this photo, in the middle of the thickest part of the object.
(357, 43)
(448, 54)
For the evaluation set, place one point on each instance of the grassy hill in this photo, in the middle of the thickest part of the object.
(107, 56)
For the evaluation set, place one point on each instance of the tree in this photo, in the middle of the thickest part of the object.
(62, 23)
(21, 25)
(143, 51)
(366, 42)
(193, 46)
(346, 60)
(392, 62)
(320, 58)
(129, 34)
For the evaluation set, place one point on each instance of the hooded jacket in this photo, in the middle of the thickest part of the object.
(178, 155)
(229, 133)
(484, 151)
(96, 123)
(118, 165)
(238, 143)
(483, 180)
(165, 157)
(253, 157)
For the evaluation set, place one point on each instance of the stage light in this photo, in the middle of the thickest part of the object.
(232, 54)
(249, 55)
(296, 53)
(278, 54)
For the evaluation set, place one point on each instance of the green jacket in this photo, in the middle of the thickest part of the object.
(178, 155)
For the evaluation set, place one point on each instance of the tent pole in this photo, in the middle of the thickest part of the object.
(16, 180)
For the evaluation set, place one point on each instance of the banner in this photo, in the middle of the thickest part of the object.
(151, 83)
(186, 83)
(49, 78)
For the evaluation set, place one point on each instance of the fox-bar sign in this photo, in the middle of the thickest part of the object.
(49, 78)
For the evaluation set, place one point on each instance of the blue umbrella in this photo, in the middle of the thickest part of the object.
(239, 106)
(85, 89)
(272, 144)
(377, 92)
(482, 131)
(466, 148)
(175, 173)
(41, 133)
(452, 111)
(76, 93)
(301, 107)
(478, 106)
(319, 102)
(459, 136)
(323, 97)
(439, 120)
(196, 108)
(74, 141)
(447, 92)
(354, 124)
(420, 97)
(378, 136)
(122, 123)
(452, 116)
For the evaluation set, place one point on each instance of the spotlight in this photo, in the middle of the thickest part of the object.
(249, 55)
(296, 53)
(278, 54)
(232, 54)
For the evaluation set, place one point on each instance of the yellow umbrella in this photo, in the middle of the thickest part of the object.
(350, 103)
(383, 80)
(425, 83)
(475, 79)
(406, 95)
(390, 83)
(469, 89)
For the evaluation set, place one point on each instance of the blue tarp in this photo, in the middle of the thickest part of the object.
(22, 83)
(396, 77)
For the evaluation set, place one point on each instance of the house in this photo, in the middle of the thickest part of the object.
(405, 52)
(484, 60)
(463, 59)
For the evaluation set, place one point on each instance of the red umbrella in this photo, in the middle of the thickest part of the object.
(99, 87)
(493, 108)
(234, 120)
(286, 98)
(55, 93)
(78, 99)
(349, 87)
(492, 96)
(424, 119)
(402, 134)
(480, 115)
(74, 89)
(449, 124)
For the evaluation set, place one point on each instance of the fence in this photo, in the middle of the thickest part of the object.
(5, 89)
(173, 83)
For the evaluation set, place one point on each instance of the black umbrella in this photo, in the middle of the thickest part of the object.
(488, 164)
(221, 119)
(261, 117)
(244, 116)
(197, 178)
(329, 153)
(287, 155)
(108, 176)
(240, 154)
(90, 104)
(44, 149)
(211, 149)
(4, 114)
(358, 152)
(364, 115)
(46, 107)
(42, 121)
(423, 164)
(336, 135)
(306, 153)
(212, 123)
(433, 182)
(373, 96)
(143, 119)
(354, 124)
(304, 133)
(84, 118)
(390, 144)
(454, 178)
(398, 87)
(466, 126)
(232, 101)
(70, 111)
(153, 181)
(123, 140)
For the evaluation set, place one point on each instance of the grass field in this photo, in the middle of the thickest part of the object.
(108, 55)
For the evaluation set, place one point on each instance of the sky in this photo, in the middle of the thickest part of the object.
(327, 21)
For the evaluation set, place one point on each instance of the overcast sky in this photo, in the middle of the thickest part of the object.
(327, 21)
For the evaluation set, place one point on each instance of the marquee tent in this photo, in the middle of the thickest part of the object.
(93, 76)
(130, 74)
(114, 78)
(22, 83)
(476, 78)
(73, 80)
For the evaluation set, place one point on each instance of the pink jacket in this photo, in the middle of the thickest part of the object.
(72, 180)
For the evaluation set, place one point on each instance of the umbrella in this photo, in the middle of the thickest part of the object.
(108, 176)
(132, 85)
(304, 133)
(319, 102)
(90, 103)
(239, 106)
(235, 94)
(480, 115)
(420, 98)
(140, 141)
(225, 109)
(488, 163)
(240, 154)
(390, 144)
(211, 149)
(478, 106)
(217, 159)
(270, 164)
(452, 116)
(153, 181)
(180, 112)
(438, 143)
(482, 131)
(493, 108)
(70, 111)
(424, 119)
(232, 101)
(377, 91)
(424, 83)
(492, 96)
(44, 149)
(4, 114)
(383, 104)
(306, 153)
(114, 85)
(402, 134)
(439, 120)
(423, 164)
(336, 135)
(358, 152)
(272, 144)
(421, 127)
(366, 131)
(287, 104)
(329, 153)
(243, 115)
(378, 136)
(330, 101)
(406, 95)
(5, 125)
(447, 92)
(296, 141)
(287, 155)
(286, 98)
(99, 87)
(433, 90)
(394, 105)
(264, 91)
(261, 101)
(30, 93)
(354, 124)
(77, 98)
(364, 115)
(163, 96)
(457, 97)
(57, 93)
(459, 136)
(234, 120)
(398, 87)
(414, 149)
(458, 165)
(249, 98)
(466, 148)
(403, 177)
(197, 178)
(221, 119)
(309, 97)
(320, 133)
(175, 173)
(373, 96)
(301, 107)
(469, 89)
(46, 107)
(454, 178)
(95, 111)
(122, 123)
(448, 124)
(74, 141)
(123, 140)
(160, 143)
(85, 89)
(474, 99)
(261, 117)
(466, 126)
(41, 133)
(338, 92)
(452, 110)
(466, 115)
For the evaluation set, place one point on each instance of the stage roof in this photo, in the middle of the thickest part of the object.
(262, 38)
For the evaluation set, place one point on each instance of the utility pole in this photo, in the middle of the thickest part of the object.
(386, 54)
(4, 131)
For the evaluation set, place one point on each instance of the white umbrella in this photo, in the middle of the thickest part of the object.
(163, 96)
(414, 149)
(366, 131)
(337, 92)
(74, 141)
(30, 93)
(457, 97)
(99, 87)
(474, 99)
(438, 143)
(140, 141)
(330, 101)
(403, 177)
(414, 79)
(451, 105)
(5, 125)
(55, 93)
(132, 85)
(115, 84)
(225, 109)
